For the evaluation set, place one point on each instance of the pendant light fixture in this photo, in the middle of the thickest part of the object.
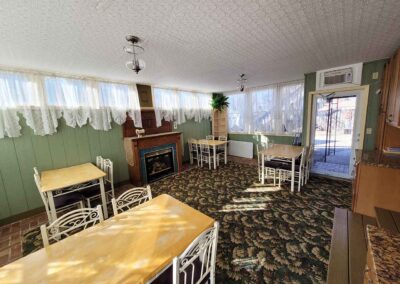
(241, 82)
(135, 49)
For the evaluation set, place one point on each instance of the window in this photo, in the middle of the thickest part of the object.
(275, 109)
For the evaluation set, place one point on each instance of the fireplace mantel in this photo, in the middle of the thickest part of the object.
(147, 142)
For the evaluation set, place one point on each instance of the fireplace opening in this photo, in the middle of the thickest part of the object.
(159, 164)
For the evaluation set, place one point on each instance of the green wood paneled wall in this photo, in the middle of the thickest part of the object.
(69, 146)
(192, 129)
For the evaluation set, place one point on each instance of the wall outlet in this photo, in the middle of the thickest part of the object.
(175, 125)
(369, 131)
(375, 75)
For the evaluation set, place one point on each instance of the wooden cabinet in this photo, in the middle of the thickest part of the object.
(219, 123)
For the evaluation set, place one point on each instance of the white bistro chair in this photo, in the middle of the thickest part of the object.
(194, 151)
(308, 164)
(210, 137)
(206, 155)
(131, 198)
(71, 223)
(270, 171)
(299, 172)
(62, 202)
(93, 193)
(197, 262)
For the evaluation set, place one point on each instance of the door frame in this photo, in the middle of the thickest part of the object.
(364, 90)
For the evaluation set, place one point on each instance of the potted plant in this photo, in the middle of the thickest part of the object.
(219, 102)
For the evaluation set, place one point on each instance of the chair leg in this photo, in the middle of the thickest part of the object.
(279, 178)
(274, 177)
(209, 162)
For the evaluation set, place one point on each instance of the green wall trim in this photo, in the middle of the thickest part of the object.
(256, 139)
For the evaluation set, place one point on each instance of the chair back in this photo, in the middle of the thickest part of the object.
(108, 168)
(192, 144)
(205, 149)
(131, 198)
(222, 138)
(99, 162)
(198, 260)
(70, 223)
(210, 137)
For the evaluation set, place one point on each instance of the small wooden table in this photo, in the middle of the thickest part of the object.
(131, 247)
(214, 144)
(58, 179)
(282, 151)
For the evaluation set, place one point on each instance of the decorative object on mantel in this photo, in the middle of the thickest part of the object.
(242, 81)
(134, 48)
(140, 132)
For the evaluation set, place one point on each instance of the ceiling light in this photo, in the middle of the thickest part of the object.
(135, 49)
(241, 82)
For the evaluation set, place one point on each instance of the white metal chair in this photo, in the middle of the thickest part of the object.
(210, 137)
(308, 163)
(197, 262)
(62, 203)
(70, 223)
(206, 155)
(131, 198)
(269, 171)
(285, 173)
(221, 149)
(94, 192)
(194, 151)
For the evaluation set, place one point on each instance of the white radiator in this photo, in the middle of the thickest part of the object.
(241, 149)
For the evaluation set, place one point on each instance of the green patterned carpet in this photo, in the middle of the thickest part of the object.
(266, 235)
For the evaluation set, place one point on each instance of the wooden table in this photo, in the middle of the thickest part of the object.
(131, 247)
(282, 151)
(214, 144)
(57, 179)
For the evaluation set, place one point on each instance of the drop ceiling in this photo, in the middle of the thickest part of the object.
(197, 45)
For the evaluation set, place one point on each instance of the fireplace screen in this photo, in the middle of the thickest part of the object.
(159, 164)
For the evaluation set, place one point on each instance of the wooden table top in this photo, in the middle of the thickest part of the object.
(283, 151)
(131, 247)
(65, 177)
(211, 142)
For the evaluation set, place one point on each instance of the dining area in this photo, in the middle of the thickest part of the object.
(210, 150)
(94, 235)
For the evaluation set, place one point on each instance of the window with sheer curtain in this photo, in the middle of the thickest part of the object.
(42, 100)
(176, 105)
(275, 109)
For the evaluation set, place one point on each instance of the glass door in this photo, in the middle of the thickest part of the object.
(334, 134)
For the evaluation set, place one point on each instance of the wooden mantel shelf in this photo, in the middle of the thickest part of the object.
(153, 135)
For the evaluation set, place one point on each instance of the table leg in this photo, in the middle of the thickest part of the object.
(103, 197)
(215, 157)
(292, 181)
(262, 169)
(226, 153)
(53, 212)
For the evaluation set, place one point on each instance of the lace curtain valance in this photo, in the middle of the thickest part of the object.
(175, 105)
(42, 100)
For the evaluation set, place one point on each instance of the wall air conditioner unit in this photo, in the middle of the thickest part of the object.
(339, 77)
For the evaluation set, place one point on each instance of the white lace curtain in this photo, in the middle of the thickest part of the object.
(275, 109)
(42, 100)
(175, 105)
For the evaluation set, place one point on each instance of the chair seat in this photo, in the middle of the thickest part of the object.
(281, 165)
(67, 199)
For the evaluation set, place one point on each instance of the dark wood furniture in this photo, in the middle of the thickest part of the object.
(150, 141)
(349, 245)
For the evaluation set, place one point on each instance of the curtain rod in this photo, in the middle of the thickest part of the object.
(263, 86)
(60, 74)
(176, 89)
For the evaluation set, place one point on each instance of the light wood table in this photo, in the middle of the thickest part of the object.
(131, 247)
(214, 144)
(53, 180)
(281, 151)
